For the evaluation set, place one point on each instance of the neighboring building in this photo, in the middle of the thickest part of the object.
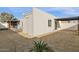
(13, 25)
(3, 25)
(39, 22)
(69, 23)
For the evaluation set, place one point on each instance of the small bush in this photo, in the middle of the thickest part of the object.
(40, 46)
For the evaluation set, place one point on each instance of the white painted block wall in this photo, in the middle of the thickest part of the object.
(28, 24)
(68, 25)
(40, 22)
(36, 23)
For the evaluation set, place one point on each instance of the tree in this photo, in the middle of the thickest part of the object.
(6, 17)
(15, 19)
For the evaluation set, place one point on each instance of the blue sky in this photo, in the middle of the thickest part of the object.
(18, 12)
(63, 11)
(57, 11)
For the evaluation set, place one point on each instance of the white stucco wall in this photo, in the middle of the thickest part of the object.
(27, 24)
(3, 25)
(40, 22)
(36, 23)
(68, 25)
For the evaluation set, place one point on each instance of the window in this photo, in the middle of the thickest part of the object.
(49, 23)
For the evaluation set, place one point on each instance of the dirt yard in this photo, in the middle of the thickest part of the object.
(61, 41)
(11, 41)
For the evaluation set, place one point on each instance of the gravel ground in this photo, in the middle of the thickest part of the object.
(61, 41)
(13, 42)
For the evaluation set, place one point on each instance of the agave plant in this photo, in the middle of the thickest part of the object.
(40, 46)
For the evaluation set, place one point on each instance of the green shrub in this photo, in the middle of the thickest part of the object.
(40, 46)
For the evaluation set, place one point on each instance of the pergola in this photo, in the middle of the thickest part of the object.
(13, 23)
(69, 19)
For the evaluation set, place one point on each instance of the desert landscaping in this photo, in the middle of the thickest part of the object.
(37, 31)
(61, 41)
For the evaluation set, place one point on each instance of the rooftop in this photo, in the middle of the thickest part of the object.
(68, 18)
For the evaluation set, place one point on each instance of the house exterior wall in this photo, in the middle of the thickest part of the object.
(68, 25)
(40, 22)
(36, 23)
(3, 25)
(27, 24)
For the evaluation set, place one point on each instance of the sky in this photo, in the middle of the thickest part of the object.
(63, 11)
(19, 12)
